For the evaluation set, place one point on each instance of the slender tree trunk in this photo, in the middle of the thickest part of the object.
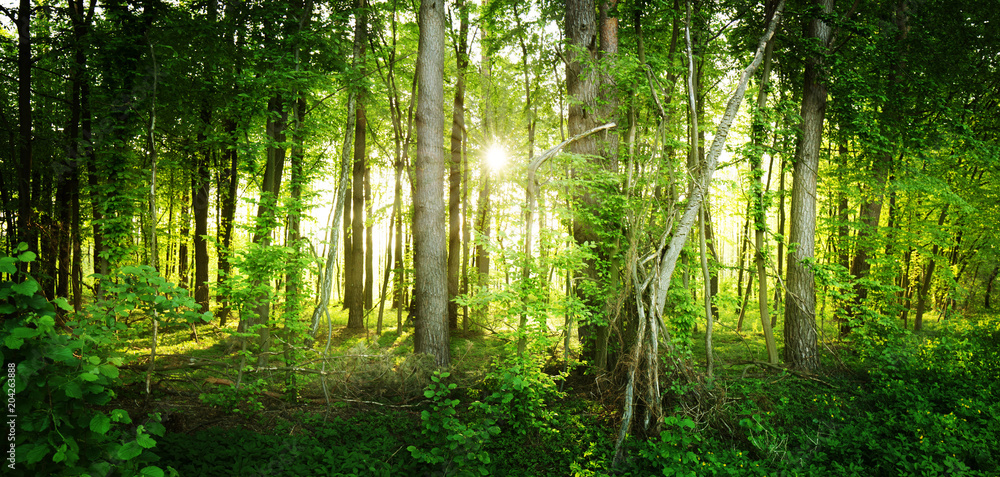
(925, 287)
(369, 247)
(760, 212)
(989, 288)
(227, 194)
(355, 271)
(455, 169)
(200, 201)
(182, 247)
(801, 350)
(430, 247)
(25, 211)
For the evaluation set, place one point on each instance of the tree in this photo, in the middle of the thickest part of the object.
(355, 297)
(429, 239)
(455, 169)
(801, 351)
(582, 90)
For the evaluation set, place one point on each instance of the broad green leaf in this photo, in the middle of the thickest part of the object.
(25, 288)
(8, 265)
(28, 256)
(12, 342)
(120, 415)
(109, 371)
(36, 453)
(145, 441)
(100, 423)
(129, 451)
(151, 471)
(24, 332)
(88, 377)
(60, 454)
(72, 389)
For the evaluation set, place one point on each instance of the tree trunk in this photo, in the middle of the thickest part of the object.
(989, 288)
(455, 169)
(582, 88)
(760, 213)
(355, 270)
(182, 247)
(925, 287)
(228, 187)
(430, 248)
(199, 205)
(801, 350)
(25, 211)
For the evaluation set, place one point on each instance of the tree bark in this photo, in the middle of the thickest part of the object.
(455, 169)
(228, 187)
(199, 206)
(801, 349)
(925, 287)
(430, 247)
(355, 272)
(25, 230)
(582, 87)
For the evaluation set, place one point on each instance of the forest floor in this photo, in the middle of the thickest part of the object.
(374, 387)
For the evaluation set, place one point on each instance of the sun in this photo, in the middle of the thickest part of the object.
(496, 157)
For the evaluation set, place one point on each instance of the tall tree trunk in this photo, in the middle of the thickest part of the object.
(430, 248)
(228, 187)
(801, 350)
(199, 206)
(266, 219)
(925, 287)
(760, 213)
(182, 247)
(582, 87)
(369, 246)
(355, 271)
(482, 220)
(871, 208)
(25, 230)
(455, 169)
(989, 288)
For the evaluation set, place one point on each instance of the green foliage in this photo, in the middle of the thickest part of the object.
(456, 447)
(365, 444)
(55, 383)
(241, 400)
(518, 397)
(139, 289)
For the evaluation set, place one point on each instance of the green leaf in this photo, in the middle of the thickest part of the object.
(109, 370)
(8, 265)
(28, 256)
(12, 343)
(88, 377)
(25, 288)
(60, 454)
(36, 453)
(73, 390)
(120, 415)
(100, 423)
(61, 302)
(151, 471)
(24, 332)
(145, 441)
(129, 451)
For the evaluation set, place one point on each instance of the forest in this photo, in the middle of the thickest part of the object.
(504, 237)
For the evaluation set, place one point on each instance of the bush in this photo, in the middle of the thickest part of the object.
(56, 381)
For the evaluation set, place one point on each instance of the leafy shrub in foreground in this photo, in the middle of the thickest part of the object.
(58, 381)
